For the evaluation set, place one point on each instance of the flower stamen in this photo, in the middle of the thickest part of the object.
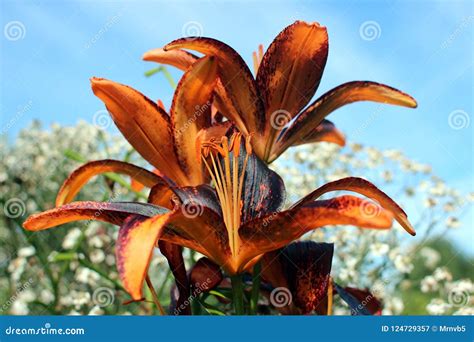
(222, 161)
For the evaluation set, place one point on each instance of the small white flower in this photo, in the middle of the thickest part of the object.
(464, 311)
(16, 269)
(403, 263)
(95, 311)
(86, 276)
(26, 252)
(393, 306)
(71, 238)
(437, 307)
(429, 284)
(442, 274)
(431, 256)
(97, 256)
(461, 286)
(46, 296)
(379, 248)
(96, 242)
(19, 308)
(346, 274)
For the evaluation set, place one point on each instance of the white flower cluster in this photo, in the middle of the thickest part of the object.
(61, 263)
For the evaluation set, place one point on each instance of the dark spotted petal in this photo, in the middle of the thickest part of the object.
(307, 266)
(237, 89)
(112, 212)
(193, 199)
(291, 70)
(366, 188)
(264, 190)
(138, 237)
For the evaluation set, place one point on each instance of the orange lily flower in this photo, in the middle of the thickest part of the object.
(234, 224)
(239, 220)
(274, 106)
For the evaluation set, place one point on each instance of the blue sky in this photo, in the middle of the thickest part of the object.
(421, 47)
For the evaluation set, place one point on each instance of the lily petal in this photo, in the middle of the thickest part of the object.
(191, 112)
(143, 123)
(344, 94)
(134, 248)
(192, 200)
(291, 70)
(236, 77)
(112, 212)
(77, 179)
(137, 186)
(365, 188)
(178, 58)
(307, 266)
(263, 189)
(138, 237)
(326, 131)
(279, 229)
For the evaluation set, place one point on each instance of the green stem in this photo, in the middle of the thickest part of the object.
(256, 279)
(238, 294)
